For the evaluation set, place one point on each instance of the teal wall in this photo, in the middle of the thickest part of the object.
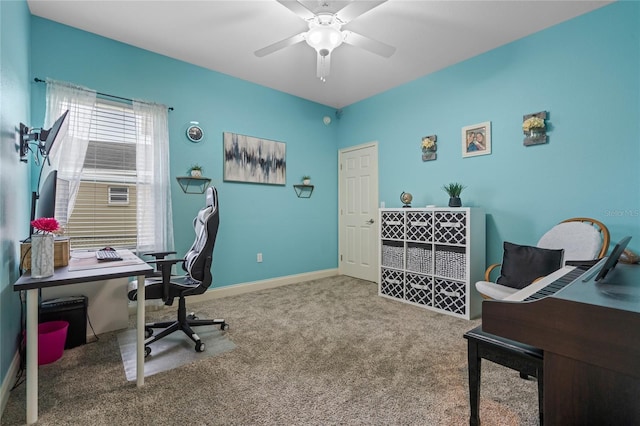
(14, 176)
(290, 232)
(584, 72)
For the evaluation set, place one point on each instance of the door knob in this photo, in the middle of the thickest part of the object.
(370, 222)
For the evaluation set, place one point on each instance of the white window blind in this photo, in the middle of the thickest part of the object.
(105, 209)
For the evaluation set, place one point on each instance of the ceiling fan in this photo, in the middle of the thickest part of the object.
(325, 32)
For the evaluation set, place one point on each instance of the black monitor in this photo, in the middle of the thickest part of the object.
(49, 137)
(43, 202)
(47, 196)
(45, 139)
(612, 260)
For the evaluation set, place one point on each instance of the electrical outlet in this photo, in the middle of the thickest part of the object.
(259, 258)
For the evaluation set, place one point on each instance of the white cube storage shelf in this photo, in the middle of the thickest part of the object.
(432, 258)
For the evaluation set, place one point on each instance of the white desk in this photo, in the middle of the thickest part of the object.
(63, 276)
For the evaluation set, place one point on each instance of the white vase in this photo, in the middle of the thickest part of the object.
(196, 173)
(306, 181)
(41, 255)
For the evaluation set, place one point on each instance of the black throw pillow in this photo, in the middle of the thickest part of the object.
(521, 265)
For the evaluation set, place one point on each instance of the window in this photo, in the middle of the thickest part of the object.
(105, 208)
(113, 169)
(118, 195)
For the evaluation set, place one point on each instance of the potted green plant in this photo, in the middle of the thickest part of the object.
(454, 190)
(306, 180)
(195, 170)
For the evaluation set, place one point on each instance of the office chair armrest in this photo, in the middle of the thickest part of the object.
(164, 266)
(159, 254)
(165, 261)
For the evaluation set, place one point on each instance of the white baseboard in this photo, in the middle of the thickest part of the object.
(8, 382)
(235, 289)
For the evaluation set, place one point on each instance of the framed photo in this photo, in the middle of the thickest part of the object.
(476, 139)
(254, 160)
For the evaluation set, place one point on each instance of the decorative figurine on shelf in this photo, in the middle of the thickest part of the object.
(195, 171)
(406, 199)
(306, 180)
(454, 190)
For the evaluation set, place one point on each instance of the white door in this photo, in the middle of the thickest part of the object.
(358, 210)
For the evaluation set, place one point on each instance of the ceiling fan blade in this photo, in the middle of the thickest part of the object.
(355, 9)
(298, 9)
(323, 67)
(369, 44)
(280, 45)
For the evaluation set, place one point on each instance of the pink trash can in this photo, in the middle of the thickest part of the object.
(52, 336)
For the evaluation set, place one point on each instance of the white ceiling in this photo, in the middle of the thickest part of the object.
(429, 35)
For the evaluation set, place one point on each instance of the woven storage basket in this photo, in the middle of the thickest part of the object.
(60, 253)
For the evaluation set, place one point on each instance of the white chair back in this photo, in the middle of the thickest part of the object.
(205, 225)
(580, 241)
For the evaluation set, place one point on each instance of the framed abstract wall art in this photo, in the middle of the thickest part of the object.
(254, 160)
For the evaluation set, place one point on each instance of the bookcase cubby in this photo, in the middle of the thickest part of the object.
(432, 257)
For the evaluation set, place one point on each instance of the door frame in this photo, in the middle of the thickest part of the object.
(375, 196)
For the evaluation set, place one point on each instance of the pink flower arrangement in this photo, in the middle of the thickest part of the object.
(46, 225)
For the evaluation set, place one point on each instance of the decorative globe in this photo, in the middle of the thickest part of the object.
(406, 198)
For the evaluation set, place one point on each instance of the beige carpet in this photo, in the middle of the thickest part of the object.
(322, 352)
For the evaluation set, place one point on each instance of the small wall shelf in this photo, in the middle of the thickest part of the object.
(193, 185)
(303, 191)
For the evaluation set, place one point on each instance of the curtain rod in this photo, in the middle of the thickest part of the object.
(39, 80)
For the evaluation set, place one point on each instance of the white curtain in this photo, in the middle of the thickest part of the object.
(154, 216)
(68, 156)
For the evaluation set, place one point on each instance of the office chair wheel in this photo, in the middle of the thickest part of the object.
(192, 316)
(224, 326)
(148, 332)
(147, 351)
(200, 347)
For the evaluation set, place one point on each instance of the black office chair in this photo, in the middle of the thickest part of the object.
(197, 264)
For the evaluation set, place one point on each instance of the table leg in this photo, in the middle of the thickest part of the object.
(474, 365)
(32, 356)
(140, 333)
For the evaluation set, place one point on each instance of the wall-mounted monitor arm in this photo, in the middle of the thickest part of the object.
(44, 139)
(28, 135)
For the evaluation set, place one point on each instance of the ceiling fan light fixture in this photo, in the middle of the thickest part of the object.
(324, 38)
(325, 31)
